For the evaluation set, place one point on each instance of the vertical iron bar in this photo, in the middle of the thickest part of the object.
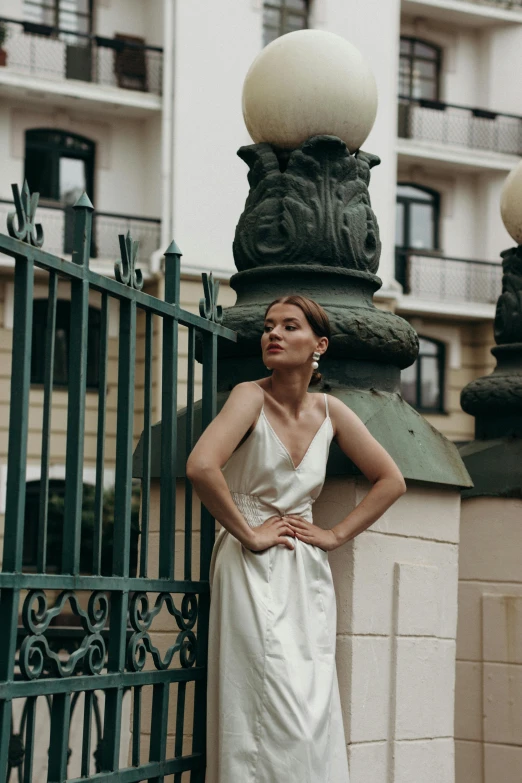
(136, 726)
(159, 726)
(59, 741)
(77, 386)
(207, 541)
(18, 416)
(100, 437)
(86, 740)
(29, 739)
(15, 492)
(122, 527)
(169, 419)
(41, 557)
(180, 724)
(188, 448)
(145, 502)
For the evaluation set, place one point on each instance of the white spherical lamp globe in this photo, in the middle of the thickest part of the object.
(306, 84)
(511, 204)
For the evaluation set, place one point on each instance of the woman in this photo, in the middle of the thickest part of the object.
(274, 712)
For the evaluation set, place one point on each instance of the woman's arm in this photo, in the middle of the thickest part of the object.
(213, 449)
(375, 463)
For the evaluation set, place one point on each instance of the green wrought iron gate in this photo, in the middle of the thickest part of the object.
(128, 698)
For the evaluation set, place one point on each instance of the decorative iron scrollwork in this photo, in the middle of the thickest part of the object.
(26, 205)
(37, 657)
(208, 306)
(125, 269)
(141, 618)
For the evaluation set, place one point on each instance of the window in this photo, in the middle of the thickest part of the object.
(73, 15)
(283, 16)
(417, 217)
(423, 382)
(62, 342)
(419, 69)
(59, 165)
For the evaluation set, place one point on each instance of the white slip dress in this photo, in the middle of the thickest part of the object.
(274, 712)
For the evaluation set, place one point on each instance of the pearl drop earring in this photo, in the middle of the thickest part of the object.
(315, 356)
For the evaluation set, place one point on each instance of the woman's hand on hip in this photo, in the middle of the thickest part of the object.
(272, 532)
(311, 534)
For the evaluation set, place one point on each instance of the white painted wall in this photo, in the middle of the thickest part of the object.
(373, 26)
(215, 44)
(139, 17)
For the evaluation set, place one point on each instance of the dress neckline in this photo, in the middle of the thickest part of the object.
(276, 436)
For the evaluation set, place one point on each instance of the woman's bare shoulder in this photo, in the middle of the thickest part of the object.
(245, 395)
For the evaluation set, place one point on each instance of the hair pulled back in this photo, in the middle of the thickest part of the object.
(316, 317)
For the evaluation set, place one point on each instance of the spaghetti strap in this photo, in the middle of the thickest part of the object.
(326, 405)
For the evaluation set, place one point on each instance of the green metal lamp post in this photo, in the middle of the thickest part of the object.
(494, 458)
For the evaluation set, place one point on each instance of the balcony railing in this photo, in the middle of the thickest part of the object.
(106, 226)
(428, 275)
(54, 53)
(461, 126)
(507, 5)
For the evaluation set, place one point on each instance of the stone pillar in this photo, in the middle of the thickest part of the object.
(488, 710)
(308, 227)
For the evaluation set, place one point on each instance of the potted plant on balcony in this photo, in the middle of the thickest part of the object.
(4, 34)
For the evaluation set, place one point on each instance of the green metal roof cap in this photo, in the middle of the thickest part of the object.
(421, 452)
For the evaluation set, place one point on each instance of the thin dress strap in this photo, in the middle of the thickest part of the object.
(326, 405)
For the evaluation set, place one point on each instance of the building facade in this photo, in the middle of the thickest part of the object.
(138, 103)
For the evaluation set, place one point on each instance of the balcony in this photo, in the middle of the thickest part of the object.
(58, 224)
(443, 130)
(506, 5)
(427, 275)
(127, 70)
(470, 13)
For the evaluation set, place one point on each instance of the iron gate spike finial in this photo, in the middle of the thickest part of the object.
(125, 269)
(25, 205)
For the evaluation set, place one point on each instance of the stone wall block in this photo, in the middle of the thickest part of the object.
(502, 700)
(469, 633)
(424, 688)
(429, 512)
(418, 610)
(468, 700)
(468, 762)
(423, 761)
(502, 628)
(484, 553)
(367, 660)
(502, 763)
(368, 758)
(375, 556)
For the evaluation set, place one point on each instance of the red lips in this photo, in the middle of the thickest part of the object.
(274, 348)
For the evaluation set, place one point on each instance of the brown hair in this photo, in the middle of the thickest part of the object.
(314, 314)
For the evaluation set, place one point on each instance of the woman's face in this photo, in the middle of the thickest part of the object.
(288, 340)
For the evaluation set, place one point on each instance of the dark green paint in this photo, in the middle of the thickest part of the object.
(494, 458)
(100, 649)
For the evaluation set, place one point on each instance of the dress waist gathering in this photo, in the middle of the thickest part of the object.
(256, 511)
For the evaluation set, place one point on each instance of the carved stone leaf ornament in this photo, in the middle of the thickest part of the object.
(308, 206)
(508, 316)
(501, 392)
